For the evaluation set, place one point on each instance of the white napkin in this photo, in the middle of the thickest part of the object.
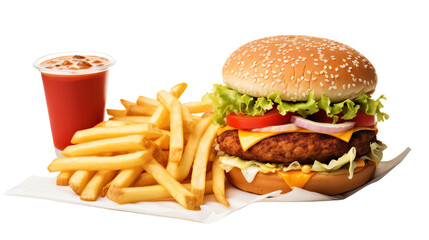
(45, 188)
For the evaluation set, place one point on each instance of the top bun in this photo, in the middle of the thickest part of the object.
(295, 65)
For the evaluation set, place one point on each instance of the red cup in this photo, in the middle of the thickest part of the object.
(75, 96)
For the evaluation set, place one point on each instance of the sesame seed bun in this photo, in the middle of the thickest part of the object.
(295, 65)
(326, 183)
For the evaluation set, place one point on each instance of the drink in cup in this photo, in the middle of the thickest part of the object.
(75, 86)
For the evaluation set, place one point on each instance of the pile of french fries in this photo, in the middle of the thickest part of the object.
(151, 150)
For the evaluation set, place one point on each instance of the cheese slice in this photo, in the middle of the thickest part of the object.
(296, 178)
(249, 138)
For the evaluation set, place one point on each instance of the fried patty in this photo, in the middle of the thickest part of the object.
(301, 147)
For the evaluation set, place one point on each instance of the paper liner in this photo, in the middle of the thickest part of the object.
(46, 188)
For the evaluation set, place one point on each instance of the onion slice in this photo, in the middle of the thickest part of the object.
(322, 127)
(277, 128)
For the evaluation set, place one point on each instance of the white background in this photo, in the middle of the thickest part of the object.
(158, 45)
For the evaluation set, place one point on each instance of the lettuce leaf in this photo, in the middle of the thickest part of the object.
(333, 165)
(376, 153)
(226, 100)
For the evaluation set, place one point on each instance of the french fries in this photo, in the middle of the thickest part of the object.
(64, 177)
(191, 148)
(92, 163)
(112, 123)
(197, 107)
(93, 188)
(176, 125)
(219, 182)
(116, 112)
(174, 188)
(131, 143)
(141, 110)
(145, 101)
(131, 119)
(99, 133)
(145, 152)
(127, 103)
(79, 179)
(148, 193)
(200, 163)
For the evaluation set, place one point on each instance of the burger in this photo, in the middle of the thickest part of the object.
(297, 112)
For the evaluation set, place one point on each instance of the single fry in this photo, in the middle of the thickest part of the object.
(132, 119)
(200, 163)
(112, 123)
(116, 112)
(101, 163)
(98, 133)
(160, 116)
(131, 143)
(127, 103)
(219, 182)
(147, 193)
(141, 110)
(126, 177)
(197, 107)
(191, 149)
(93, 188)
(176, 190)
(142, 101)
(64, 177)
(176, 129)
(79, 179)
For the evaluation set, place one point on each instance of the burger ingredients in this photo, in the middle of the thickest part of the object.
(296, 178)
(226, 100)
(347, 161)
(322, 127)
(364, 120)
(279, 128)
(337, 164)
(270, 118)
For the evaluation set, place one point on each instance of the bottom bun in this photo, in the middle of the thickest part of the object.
(325, 183)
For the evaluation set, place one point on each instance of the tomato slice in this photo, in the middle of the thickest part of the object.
(270, 118)
(362, 119)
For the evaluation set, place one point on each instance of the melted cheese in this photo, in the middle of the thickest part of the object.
(359, 162)
(296, 178)
(249, 138)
